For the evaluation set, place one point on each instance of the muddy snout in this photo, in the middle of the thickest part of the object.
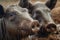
(51, 28)
(46, 30)
(35, 26)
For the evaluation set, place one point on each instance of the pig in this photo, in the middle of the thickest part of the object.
(17, 23)
(40, 11)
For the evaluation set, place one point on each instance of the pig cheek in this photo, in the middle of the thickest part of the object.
(11, 28)
(25, 29)
(23, 33)
(12, 32)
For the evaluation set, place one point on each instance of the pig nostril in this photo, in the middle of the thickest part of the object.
(51, 26)
(32, 26)
(38, 25)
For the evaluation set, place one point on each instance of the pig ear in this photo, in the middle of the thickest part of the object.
(24, 3)
(51, 3)
(1, 11)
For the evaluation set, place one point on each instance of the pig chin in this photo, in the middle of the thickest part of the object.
(25, 28)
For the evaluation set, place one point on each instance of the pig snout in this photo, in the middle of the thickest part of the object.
(51, 27)
(46, 30)
(31, 27)
(35, 26)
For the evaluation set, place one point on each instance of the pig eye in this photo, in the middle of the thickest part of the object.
(13, 13)
(38, 12)
(12, 17)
